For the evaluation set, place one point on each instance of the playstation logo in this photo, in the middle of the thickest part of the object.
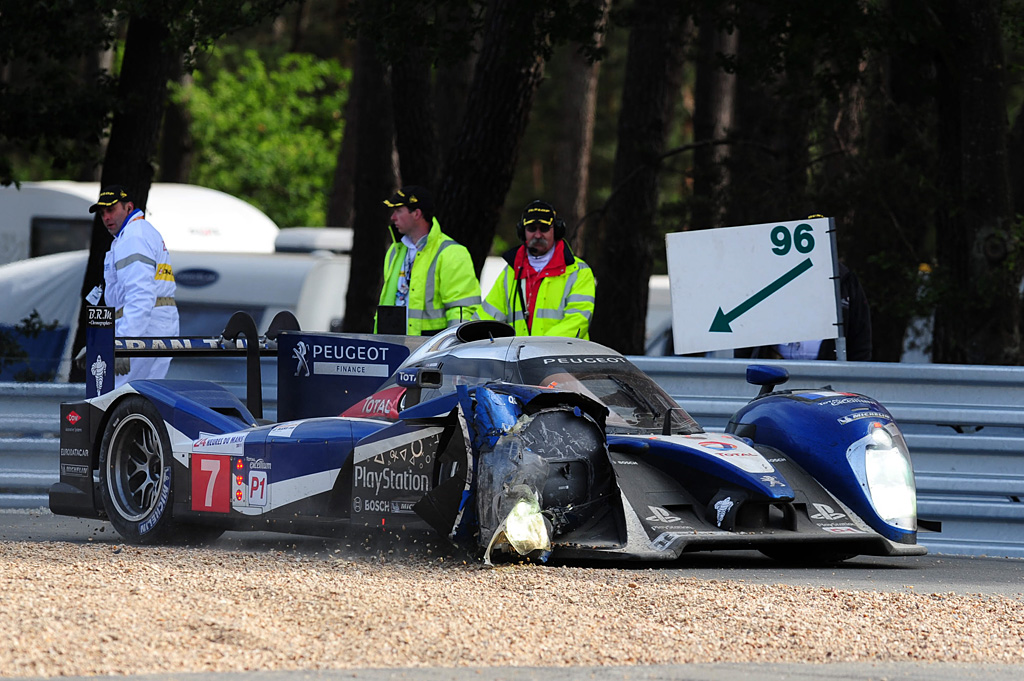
(660, 515)
(826, 512)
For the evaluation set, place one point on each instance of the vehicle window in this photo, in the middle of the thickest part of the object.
(58, 235)
(633, 399)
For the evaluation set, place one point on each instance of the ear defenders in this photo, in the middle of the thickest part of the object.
(557, 223)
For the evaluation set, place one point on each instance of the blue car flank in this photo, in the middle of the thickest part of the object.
(820, 444)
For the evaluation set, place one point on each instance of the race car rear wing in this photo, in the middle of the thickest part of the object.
(318, 373)
(239, 338)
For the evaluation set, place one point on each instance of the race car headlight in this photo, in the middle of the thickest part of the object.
(890, 478)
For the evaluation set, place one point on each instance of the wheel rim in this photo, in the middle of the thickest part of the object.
(135, 467)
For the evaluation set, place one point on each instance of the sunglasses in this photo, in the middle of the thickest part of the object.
(539, 226)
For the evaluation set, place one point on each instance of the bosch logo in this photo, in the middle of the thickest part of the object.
(73, 417)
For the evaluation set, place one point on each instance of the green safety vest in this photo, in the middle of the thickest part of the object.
(564, 305)
(443, 288)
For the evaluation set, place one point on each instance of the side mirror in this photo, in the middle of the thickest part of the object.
(766, 376)
(419, 377)
(415, 379)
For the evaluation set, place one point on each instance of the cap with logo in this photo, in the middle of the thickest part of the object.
(109, 196)
(541, 215)
(412, 197)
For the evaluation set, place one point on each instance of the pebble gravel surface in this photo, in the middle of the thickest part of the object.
(105, 609)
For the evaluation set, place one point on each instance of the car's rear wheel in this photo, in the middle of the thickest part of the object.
(136, 472)
(137, 476)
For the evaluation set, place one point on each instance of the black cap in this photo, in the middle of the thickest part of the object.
(538, 211)
(412, 197)
(109, 196)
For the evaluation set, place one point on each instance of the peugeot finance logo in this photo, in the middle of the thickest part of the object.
(299, 353)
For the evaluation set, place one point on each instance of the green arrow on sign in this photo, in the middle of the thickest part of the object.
(723, 319)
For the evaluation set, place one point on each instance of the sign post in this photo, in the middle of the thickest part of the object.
(738, 287)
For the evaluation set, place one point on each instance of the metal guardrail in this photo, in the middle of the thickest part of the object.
(964, 426)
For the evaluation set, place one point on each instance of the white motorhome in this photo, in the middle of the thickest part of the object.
(41, 218)
(210, 288)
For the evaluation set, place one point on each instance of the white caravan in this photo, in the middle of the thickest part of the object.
(41, 218)
(210, 288)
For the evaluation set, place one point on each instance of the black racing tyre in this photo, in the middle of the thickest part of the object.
(136, 472)
(137, 476)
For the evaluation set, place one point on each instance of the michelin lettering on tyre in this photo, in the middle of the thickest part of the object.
(165, 493)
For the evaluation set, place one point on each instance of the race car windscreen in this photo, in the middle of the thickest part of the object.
(635, 402)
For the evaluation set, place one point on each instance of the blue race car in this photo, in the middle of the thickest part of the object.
(515, 447)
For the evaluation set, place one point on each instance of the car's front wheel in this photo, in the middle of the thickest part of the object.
(136, 472)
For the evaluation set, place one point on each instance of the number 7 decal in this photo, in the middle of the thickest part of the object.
(211, 483)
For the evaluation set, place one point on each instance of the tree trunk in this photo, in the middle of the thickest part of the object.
(1016, 153)
(342, 197)
(714, 96)
(769, 159)
(628, 234)
(504, 84)
(176, 141)
(374, 182)
(889, 235)
(977, 322)
(573, 150)
(147, 65)
(453, 78)
(415, 136)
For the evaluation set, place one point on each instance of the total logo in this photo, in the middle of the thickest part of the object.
(826, 512)
(73, 417)
(378, 406)
(718, 446)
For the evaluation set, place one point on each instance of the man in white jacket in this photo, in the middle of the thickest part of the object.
(138, 282)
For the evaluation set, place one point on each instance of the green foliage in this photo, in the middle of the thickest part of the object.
(268, 133)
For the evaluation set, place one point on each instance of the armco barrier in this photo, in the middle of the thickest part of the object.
(964, 426)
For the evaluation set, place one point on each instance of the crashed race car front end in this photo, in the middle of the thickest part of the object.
(601, 464)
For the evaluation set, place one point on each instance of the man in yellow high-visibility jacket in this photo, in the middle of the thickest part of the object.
(544, 289)
(426, 271)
